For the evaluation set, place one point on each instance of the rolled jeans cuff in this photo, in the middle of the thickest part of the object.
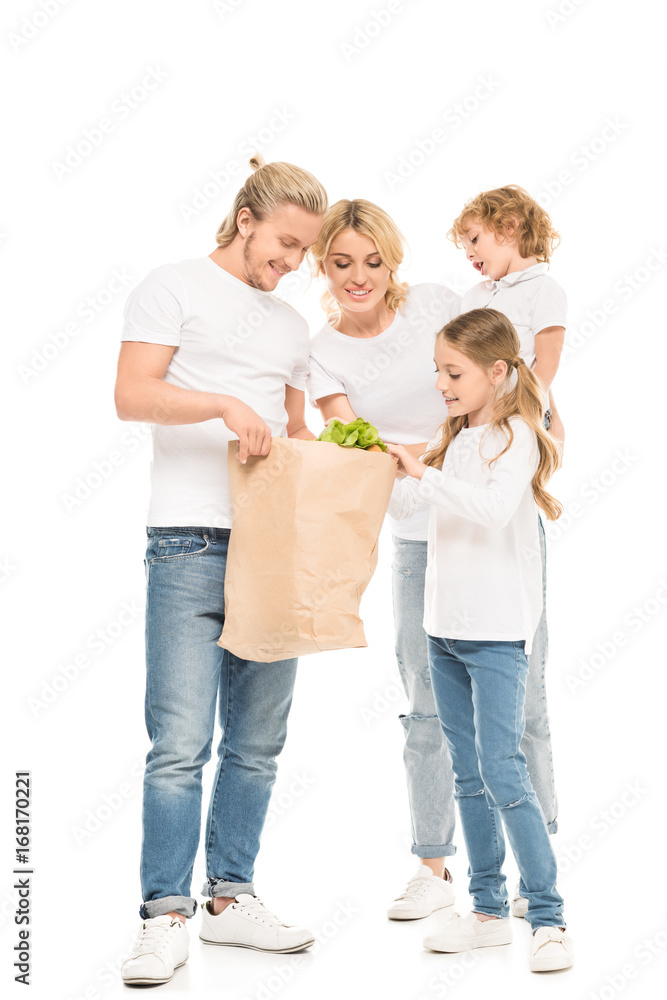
(218, 887)
(433, 850)
(168, 904)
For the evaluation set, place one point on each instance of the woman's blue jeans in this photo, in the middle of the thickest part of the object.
(427, 762)
(187, 673)
(479, 689)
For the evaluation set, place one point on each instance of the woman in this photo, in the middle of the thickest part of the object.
(374, 358)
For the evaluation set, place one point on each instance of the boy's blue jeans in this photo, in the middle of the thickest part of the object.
(186, 674)
(479, 689)
(427, 762)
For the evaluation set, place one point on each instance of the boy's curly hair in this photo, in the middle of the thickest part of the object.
(510, 210)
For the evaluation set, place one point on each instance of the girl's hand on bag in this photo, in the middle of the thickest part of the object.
(254, 434)
(408, 465)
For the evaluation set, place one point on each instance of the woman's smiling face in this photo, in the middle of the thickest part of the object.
(355, 274)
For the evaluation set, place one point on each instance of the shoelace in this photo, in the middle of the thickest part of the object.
(554, 935)
(153, 938)
(259, 912)
(416, 887)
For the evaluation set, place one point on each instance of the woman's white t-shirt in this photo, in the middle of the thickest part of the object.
(484, 572)
(230, 338)
(390, 379)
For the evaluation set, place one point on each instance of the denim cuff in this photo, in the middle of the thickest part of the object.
(166, 904)
(433, 850)
(218, 887)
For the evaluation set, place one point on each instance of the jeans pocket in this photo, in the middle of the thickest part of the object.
(172, 547)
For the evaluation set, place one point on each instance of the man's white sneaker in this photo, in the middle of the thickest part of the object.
(161, 946)
(464, 933)
(424, 894)
(246, 923)
(551, 950)
(518, 903)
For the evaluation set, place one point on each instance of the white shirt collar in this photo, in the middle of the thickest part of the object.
(515, 276)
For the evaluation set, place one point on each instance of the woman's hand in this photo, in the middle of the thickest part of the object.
(408, 465)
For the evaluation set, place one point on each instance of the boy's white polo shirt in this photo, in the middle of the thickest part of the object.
(532, 300)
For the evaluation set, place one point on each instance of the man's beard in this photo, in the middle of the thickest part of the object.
(251, 269)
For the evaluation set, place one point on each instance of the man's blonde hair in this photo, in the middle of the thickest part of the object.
(270, 186)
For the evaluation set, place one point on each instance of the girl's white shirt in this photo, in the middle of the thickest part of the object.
(484, 572)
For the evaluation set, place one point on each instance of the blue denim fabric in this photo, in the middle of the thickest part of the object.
(427, 762)
(428, 766)
(186, 674)
(479, 690)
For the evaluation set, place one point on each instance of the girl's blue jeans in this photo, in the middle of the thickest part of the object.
(187, 675)
(427, 762)
(479, 689)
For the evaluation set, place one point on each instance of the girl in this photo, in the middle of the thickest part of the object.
(484, 476)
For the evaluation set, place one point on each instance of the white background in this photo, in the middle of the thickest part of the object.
(358, 98)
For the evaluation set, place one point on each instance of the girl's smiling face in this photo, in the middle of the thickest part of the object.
(465, 387)
(355, 274)
(492, 256)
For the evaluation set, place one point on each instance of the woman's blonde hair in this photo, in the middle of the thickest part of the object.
(370, 220)
(510, 207)
(268, 187)
(486, 336)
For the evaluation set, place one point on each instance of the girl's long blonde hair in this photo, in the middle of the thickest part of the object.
(486, 336)
(268, 187)
(370, 220)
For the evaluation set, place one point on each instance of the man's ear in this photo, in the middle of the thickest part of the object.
(243, 221)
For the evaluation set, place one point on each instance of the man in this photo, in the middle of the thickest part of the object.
(210, 355)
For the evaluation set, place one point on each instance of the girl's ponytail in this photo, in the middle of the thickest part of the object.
(525, 400)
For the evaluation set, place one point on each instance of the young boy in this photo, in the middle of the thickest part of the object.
(509, 239)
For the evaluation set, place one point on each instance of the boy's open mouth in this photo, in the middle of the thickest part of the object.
(479, 264)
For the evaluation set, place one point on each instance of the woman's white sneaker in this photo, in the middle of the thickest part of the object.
(424, 894)
(518, 903)
(551, 950)
(161, 946)
(246, 923)
(464, 933)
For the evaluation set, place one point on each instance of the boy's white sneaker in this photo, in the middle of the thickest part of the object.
(551, 950)
(518, 903)
(246, 923)
(425, 893)
(464, 933)
(161, 946)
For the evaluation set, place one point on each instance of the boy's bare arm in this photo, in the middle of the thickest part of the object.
(548, 348)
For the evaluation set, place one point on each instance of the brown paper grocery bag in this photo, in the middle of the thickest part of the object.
(303, 547)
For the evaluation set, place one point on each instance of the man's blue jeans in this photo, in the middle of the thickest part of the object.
(427, 762)
(186, 674)
(479, 689)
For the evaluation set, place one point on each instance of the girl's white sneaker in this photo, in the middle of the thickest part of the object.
(464, 933)
(551, 950)
(246, 923)
(161, 946)
(425, 893)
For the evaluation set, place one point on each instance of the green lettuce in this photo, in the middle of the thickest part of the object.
(358, 434)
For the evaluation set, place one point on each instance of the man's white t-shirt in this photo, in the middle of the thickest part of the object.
(532, 300)
(390, 379)
(230, 338)
(484, 572)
